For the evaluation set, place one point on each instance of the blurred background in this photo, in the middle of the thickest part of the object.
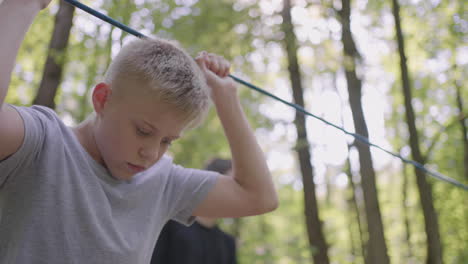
(390, 70)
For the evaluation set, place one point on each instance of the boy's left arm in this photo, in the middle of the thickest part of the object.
(251, 190)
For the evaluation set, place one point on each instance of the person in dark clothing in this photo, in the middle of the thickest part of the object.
(203, 242)
(179, 244)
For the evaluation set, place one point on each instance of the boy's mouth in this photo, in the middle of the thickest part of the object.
(135, 168)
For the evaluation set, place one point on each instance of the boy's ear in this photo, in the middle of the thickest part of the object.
(101, 95)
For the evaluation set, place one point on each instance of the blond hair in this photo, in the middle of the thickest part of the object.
(168, 71)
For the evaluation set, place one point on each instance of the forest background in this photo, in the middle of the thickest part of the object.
(388, 70)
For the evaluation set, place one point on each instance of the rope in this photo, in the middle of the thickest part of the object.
(299, 108)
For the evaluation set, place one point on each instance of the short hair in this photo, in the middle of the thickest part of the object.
(219, 165)
(168, 71)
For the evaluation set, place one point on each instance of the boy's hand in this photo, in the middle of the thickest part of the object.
(216, 71)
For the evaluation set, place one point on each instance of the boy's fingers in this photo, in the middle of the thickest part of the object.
(227, 68)
(201, 60)
(214, 65)
(204, 64)
(211, 62)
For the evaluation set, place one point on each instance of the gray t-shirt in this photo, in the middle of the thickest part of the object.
(58, 205)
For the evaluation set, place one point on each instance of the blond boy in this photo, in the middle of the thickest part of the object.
(101, 192)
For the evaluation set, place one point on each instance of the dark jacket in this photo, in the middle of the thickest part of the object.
(178, 244)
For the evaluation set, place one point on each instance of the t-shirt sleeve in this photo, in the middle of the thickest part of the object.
(35, 122)
(188, 187)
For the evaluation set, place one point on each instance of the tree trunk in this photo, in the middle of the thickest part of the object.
(464, 130)
(52, 74)
(376, 246)
(328, 185)
(404, 201)
(352, 201)
(434, 247)
(313, 223)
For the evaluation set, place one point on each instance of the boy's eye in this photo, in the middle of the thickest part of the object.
(166, 142)
(143, 132)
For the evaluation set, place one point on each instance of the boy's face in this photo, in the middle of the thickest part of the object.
(133, 130)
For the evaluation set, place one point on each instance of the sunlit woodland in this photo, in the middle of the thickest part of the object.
(391, 71)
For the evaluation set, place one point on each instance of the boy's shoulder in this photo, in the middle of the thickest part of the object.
(44, 135)
(43, 127)
(37, 114)
(37, 110)
(42, 120)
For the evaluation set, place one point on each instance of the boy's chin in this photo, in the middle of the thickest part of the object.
(122, 175)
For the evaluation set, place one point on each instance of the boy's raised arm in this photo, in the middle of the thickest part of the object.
(15, 18)
(251, 191)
